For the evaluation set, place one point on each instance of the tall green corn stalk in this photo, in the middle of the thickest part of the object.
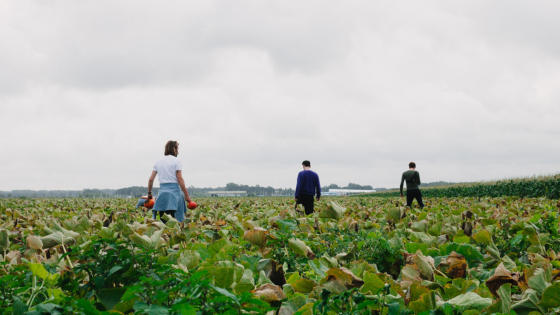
(530, 188)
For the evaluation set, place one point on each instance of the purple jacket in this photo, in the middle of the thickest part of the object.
(308, 184)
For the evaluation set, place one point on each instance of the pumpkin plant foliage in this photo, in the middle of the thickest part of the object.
(480, 253)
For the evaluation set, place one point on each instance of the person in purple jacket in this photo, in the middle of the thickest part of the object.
(307, 186)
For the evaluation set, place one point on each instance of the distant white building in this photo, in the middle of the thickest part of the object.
(228, 193)
(346, 192)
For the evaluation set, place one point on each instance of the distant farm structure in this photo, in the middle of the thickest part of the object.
(238, 193)
(346, 192)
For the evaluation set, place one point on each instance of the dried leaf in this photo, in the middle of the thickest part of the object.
(501, 276)
(456, 266)
(34, 242)
(270, 293)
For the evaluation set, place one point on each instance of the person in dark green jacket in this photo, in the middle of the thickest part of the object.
(412, 178)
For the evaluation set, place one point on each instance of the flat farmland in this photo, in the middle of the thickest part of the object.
(354, 255)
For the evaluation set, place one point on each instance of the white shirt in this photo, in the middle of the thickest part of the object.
(167, 168)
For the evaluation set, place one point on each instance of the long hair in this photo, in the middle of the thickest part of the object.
(169, 146)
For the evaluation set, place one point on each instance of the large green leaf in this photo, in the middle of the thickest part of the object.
(56, 238)
(263, 279)
(461, 238)
(347, 256)
(110, 297)
(538, 282)
(19, 308)
(307, 309)
(422, 237)
(298, 246)
(426, 302)
(156, 239)
(333, 211)
(189, 259)
(416, 291)
(529, 229)
(414, 247)
(141, 240)
(246, 283)
(435, 229)
(493, 251)
(291, 306)
(394, 214)
(107, 233)
(372, 283)
(287, 224)
(227, 273)
(67, 233)
(303, 285)
(151, 309)
(503, 304)
(483, 236)
(217, 247)
(420, 226)
(529, 303)
(409, 273)
(38, 270)
(469, 301)
(551, 296)
(329, 262)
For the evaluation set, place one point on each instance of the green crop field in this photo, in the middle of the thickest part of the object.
(355, 255)
(546, 186)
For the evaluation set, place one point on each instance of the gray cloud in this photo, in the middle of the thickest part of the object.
(91, 91)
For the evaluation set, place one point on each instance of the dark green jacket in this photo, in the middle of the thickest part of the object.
(412, 179)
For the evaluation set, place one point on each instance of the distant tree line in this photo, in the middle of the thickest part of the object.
(258, 190)
(369, 187)
(350, 186)
(137, 191)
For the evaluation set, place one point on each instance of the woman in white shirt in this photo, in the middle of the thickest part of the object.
(169, 170)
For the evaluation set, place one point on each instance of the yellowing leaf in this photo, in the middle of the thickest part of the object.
(483, 236)
(34, 242)
(257, 237)
(38, 270)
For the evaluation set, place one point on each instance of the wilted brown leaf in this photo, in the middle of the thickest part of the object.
(270, 292)
(276, 274)
(14, 257)
(353, 226)
(467, 228)
(257, 237)
(310, 253)
(345, 277)
(316, 224)
(455, 266)
(501, 276)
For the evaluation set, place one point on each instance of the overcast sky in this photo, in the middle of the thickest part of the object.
(90, 91)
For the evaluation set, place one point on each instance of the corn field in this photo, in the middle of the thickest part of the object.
(527, 188)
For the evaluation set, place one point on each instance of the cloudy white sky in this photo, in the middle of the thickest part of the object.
(90, 91)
